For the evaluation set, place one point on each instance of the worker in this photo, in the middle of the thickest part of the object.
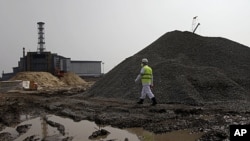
(146, 77)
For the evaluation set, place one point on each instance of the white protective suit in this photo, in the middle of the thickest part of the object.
(146, 87)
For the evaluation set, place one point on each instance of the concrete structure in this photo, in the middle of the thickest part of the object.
(43, 61)
(41, 39)
(51, 62)
(86, 68)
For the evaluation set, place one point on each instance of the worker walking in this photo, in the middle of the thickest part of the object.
(146, 77)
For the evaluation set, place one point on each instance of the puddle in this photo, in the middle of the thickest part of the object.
(172, 136)
(79, 131)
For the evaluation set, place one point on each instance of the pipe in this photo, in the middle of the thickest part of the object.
(196, 27)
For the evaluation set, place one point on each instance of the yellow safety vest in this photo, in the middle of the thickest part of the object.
(146, 77)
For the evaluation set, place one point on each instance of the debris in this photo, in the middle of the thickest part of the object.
(59, 126)
(68, 139)
(98, 133)
(29, 85)
(23, 128)
(71, 78)
(6, 136)
(32, 138)
(216, 135)
(44, 81)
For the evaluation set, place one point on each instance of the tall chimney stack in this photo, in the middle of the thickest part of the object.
(41, 41)
(23, 52)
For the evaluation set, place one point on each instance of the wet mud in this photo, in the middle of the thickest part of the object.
(211, 120)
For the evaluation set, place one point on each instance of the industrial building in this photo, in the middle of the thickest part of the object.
(45, 61)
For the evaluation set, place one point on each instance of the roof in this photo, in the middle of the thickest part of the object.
(79, 61)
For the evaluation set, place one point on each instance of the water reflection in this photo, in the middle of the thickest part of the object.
(171, 136)
(79, 131)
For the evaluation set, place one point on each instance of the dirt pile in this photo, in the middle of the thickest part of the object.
(45, 79)
(188, 69)
(71, 78)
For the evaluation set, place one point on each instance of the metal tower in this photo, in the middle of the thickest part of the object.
(41, 41)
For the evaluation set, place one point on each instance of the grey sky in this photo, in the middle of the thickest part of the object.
(112, 30)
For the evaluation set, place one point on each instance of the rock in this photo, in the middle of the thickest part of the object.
(67, 139)
(215, 135)
(69, 113)
(31, 138)
(23, 128)
(98, 133)
(6, 136)
(59, 127)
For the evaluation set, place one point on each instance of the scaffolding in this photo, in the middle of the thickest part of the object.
(41, 42)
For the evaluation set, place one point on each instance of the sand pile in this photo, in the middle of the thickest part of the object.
(71, 78)
(188, 68)
(45, 79)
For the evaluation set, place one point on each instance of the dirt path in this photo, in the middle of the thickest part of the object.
(162, 118)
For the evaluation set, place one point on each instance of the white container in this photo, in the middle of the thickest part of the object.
(26, 84)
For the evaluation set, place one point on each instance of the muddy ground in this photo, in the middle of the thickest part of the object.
(212, 119)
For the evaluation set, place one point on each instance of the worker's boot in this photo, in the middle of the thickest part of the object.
(153, 101)
(140, 101)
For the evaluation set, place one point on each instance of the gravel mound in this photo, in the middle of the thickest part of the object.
(188, 69)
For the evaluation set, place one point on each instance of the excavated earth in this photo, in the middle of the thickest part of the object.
(201, 84)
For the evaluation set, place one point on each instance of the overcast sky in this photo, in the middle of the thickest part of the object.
(112, 30)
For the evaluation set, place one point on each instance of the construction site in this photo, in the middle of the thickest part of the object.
(202, 86)
(46, 61)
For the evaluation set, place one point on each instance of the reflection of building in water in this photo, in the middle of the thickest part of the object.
(44, 126)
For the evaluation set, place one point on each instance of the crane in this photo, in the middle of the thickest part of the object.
(194, 23)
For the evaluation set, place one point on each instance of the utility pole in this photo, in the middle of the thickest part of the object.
(103, 68)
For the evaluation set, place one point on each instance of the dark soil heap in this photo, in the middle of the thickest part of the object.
(188, 69)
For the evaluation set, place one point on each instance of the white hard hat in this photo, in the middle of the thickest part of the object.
(144, 60)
